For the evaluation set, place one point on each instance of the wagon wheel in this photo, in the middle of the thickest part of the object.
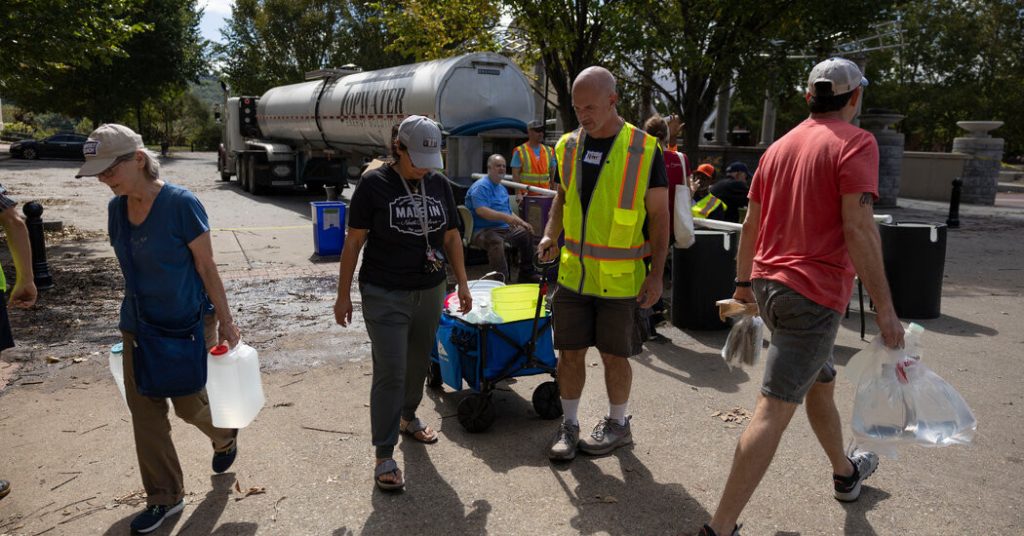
(476, 412)
(434, 375)
(546, 401)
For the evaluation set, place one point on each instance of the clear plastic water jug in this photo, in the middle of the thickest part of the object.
(117, 368)
(234, 385)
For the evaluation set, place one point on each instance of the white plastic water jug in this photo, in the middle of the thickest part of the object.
(117, 368)
(234, 385)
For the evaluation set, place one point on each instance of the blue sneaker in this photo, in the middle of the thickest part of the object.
(153, 516)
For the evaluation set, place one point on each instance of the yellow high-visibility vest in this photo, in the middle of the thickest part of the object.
(536, 170)
(3, 281)
(604, 245)
(704, 207)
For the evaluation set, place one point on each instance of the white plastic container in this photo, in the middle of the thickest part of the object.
(234, 385)
(117, 368)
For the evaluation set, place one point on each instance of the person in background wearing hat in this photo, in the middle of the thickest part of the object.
(24, 294)
(406, 216)
(799, 271)
(533, 163)
(732, 190)
(494, 225)
(706, 204)
(171, 255)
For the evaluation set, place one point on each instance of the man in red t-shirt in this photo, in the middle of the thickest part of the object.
(809, 225)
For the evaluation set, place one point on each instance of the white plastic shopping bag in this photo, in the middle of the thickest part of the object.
(900, 401)
(682, 220)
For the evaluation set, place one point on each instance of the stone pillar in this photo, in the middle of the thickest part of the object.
(767, 121)
(722, 117)
(981, 172)
(890, 154)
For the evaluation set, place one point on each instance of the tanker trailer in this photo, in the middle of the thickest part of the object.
(324, 130)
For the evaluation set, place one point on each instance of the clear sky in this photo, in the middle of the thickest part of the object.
(213, 17)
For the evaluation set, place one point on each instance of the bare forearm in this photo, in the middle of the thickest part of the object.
(349, 259)
(453, 248)
(215, 291)
(21, 249)
(493, 215)
(554, 226)
(745, 255)
(865, 247)
(659, 243)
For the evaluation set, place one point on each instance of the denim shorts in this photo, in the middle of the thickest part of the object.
(613, 325)
(803, 334)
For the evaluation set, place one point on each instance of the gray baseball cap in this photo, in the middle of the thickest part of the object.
(841, 73)
(422, 141)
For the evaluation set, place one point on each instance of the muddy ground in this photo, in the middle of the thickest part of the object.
(67, 444)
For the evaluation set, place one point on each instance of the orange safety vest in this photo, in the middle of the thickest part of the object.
(536, 169)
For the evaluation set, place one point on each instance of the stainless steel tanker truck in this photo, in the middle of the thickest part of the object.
(324, 130)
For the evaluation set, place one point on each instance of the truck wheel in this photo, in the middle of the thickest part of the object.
(240, 172)
(255, 188)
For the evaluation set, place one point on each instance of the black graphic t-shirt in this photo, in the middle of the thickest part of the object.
(395, 253)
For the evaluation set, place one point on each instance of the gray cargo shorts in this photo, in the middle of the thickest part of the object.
(803, 334)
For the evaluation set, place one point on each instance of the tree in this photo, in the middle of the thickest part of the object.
(694, 48)
(962, 60)
(41, 37)
(275, 42)
(166, 53)
(434, 29)
(570, 35)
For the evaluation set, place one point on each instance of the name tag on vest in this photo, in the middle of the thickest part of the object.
(593, 158)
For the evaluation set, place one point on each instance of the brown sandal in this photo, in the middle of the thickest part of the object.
(388, 467)
(418, 430)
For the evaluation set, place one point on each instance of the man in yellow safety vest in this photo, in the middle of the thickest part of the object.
(533, 162)
(708, 205)
(612, 204)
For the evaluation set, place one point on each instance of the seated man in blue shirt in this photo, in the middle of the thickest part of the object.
(494, 225)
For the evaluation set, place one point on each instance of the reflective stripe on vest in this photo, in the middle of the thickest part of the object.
(608, 253)
(535, 169)
(706, 206)
(3, 281)
(604, 242)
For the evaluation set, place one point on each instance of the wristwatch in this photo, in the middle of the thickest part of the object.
(742, 284)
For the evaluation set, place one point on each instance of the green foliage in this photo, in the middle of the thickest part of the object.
(41, 37)
(962, 60)
(274, 42)
(165, 52)
(685, 50)
(570, 36)
(434, 29)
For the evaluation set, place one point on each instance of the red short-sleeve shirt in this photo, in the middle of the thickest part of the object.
(799, 184)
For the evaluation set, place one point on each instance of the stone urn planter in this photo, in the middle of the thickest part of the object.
(981, 172)
(890, 153)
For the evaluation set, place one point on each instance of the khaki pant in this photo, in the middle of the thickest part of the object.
(158, 461)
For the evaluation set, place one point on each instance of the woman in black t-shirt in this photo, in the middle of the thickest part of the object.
(406, 217)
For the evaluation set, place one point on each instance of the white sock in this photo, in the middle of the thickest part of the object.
(617, 412)
(570, 411)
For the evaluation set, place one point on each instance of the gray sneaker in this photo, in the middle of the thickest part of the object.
(847, 489)
(607, 436)
(563, 446)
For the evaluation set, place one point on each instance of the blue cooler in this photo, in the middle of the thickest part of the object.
(328, 227)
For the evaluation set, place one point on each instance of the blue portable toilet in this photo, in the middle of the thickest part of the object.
(328, 227)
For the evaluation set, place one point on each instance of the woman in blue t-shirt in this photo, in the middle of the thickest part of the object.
(175, 281)
(406, 217)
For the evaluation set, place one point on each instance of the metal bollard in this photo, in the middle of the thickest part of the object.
(34, 221)
(953, 221)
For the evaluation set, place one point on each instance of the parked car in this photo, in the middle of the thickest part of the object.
(60, 145)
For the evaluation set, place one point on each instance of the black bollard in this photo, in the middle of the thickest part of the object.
(953, 221)
(34, 221)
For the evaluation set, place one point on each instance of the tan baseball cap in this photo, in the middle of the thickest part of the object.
(105, 145)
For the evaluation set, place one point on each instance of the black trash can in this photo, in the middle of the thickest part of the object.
(701, 275)
(915, 257)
